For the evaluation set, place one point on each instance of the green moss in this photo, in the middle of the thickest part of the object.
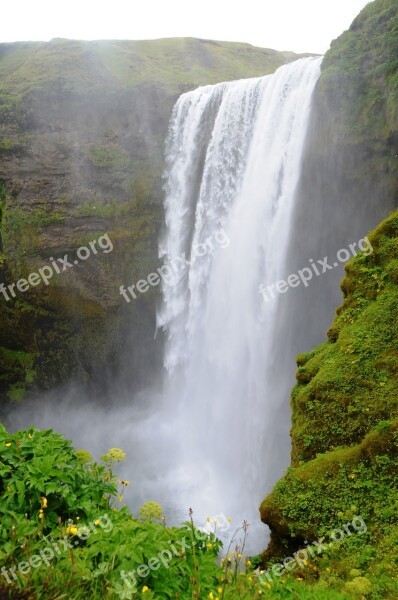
(107, 156)
(6, 144)
(363, 62)
(350, 383)
(17, 372)
(345, 434)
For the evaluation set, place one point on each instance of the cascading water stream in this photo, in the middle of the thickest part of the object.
(234, 158)
(216, 438)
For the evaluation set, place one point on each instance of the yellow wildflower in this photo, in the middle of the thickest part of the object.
(145, 589)
(209, 545)
(267, 585)
(211, 596)
(8, 445)
(43, 501)
(299, 578)
(219, 590)
(72, 530)
(96, 522)
(120, 498)
(229, 520)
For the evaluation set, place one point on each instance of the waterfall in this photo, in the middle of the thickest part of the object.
(216, 437)
(233, 163)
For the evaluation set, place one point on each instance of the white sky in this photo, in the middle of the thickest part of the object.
(298, 25)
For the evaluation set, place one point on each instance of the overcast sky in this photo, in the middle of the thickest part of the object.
(298, 25)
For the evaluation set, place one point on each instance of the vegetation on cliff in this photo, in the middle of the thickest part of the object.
(345, 434)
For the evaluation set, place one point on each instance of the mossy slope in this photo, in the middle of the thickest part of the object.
(345, 431)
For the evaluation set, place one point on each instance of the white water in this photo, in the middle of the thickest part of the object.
(234, 159)
(214, 439)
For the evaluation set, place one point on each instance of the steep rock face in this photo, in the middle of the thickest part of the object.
(82, 126)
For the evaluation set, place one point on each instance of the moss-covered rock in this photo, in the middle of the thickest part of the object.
(345, 434)
(349, 384)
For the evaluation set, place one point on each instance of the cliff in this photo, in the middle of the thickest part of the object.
(345, 402)
(82, 130)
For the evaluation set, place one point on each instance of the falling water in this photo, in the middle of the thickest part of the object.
(216, 438)
(233, 158)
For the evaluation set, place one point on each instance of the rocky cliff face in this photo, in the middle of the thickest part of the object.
(345, 402)
(82, 127)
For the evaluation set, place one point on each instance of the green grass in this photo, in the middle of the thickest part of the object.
(25, 67)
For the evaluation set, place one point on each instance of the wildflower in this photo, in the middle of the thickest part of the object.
(8, 445)
(120, 498)
(267, 585)
(249, 563)
(145, 589)
(219, 590)
(211, 596)
(208, 521)
(43, 501)
(299, 578)
(351, 476)
(72, 530)
(209, 545)
(229, 520)
(96, 522)
(126, 482)
(30, 436)
(114, 455)
(41, 514)
(239, 555)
